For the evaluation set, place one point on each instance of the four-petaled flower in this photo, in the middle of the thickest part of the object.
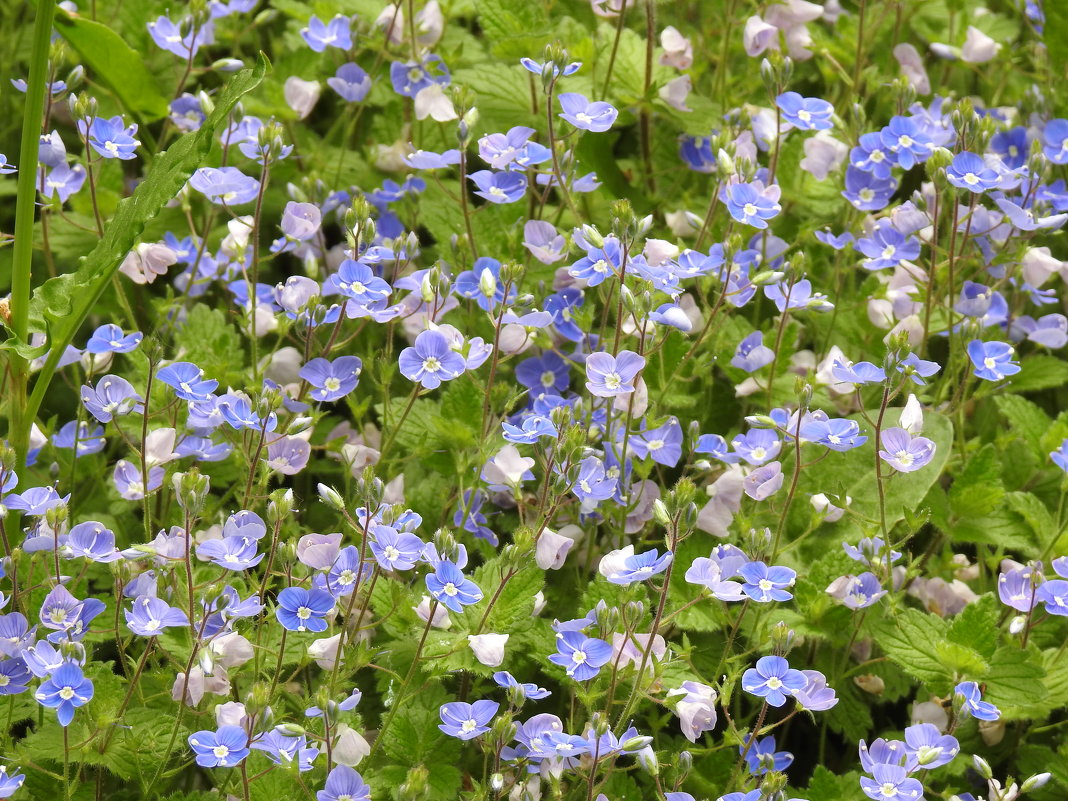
(773, 679)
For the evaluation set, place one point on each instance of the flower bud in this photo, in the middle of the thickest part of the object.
(982, 767)
(1035, 782)
(331, 497)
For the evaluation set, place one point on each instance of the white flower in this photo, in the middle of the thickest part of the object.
(301, 95)
(488, 648)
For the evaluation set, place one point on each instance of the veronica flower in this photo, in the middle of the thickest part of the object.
(969, 171)
(533, 66)
(225, 748)
(532, 429)
(451, 587)
(598, 263)
(1025, 219)
(113, 396)
(304, 610)
(752, 353)
(351, 82)
(150, 616)
(1060, 456)
(887, 247)
(763, 758)
(582, 657)
(395, 550)
(410, 78)
(10, 782)
(773, 679)
(358, 282)
(992, 360)
(232, 553)
(187, 380)
(110, 138)
(929, 748)
(838, 434)
(500, 149)
(91, 540)
(129, 480)
(428, 160)
(499, 187)
(815, 696)
(867, 191)
(597, 116)
(66, 690)
(764, 584)
(904, 452)
(225, 185)
(111, 339)
(608, 376)
(61, 181)
(890, 783)
(68, 617)
(857, 592)
(1054, 594)
(320, 35)
(169, 36)
(36, 500)
(626, 567)
(696, 709)
(15, 676)
(332, 379)
(467, 721)
(970, 697)
(763, 482)
(532, 691)
(904, 138)
(916, 369)
(757, 446)
(344, 784)
(858, 373)
(430, 361)
(870, 155)
(662, 444)
(751, 203)
(186, 113)
(806, 113)
(283, 749)
(79, 437)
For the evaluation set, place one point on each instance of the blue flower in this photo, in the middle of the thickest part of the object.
(283, 749)
(395, 550)
(499, 187)
(66, 690)
(79, 436)
(860, 592)
(14, 677)
(409, 78)
(870, 155)
(531, 430)
(452, 588)
(971, 700)
(815, 696)
(904, 452)
(773, 679)
(757, 446)
(928, 748)
(303, 610)
(129, 480)
(858, 373)
(225, 748)
(467, 721)
(150, 616)
(225, 186)
(332, 379)
(532, 691)
(110, 339)
(762, 757)
(806, 113)
(582, 657)
(1055, 141)
(662, 444)
(887, 247)
(91, 540)
(358, 282)
(608, 376)
(837, 433)
(344, 784)
(187, 380)
(599, 262)
(891, 783)
(916, 369)
(430, 361)
(751, 203)
(62, 181)
(320, 35)
(969, 171)
(1060, 456)
(1054, 594)
(867, 191)
(544, 373)
(113, 396)
(764, 584)
(232, 553)
(351, 82)
(905, 139)
(35, 501)
(531, 65)
(639, 567)
(68, 617)
(169, 36)
(110, 138)
(752, 353)
(10, 782)
(483, 284)
(992, 360)
(597, 116)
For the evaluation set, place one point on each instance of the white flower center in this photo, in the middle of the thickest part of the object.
(303, 612)
(332, 384)
(774, 683)
(431, 364)
(450, 589)
(220, 752)
(749, 209)
(391, 553)
(578, 657)
(66, 693)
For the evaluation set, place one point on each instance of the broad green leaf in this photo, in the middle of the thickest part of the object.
(911, 640)
(977, 491)
(976, 626)
(1015, 680)
(1040, 371)
(1025, 418)
(115, 64)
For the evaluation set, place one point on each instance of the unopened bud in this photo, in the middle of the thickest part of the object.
(331, 497)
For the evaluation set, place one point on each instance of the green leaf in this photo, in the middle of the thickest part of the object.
(1041, 371)
(115, 64)
(911, 640)
(1015, 680)
(1025, 418)
(827, 786)
(976, 626)
(978, 491)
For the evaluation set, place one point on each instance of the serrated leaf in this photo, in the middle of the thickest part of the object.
(911, 640)
(978, 490)
(1015, 679)
(1025, 418)
(976, 626)
(1040, 371)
